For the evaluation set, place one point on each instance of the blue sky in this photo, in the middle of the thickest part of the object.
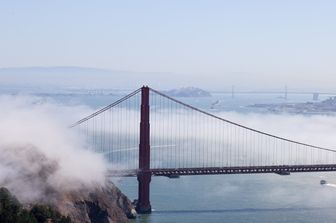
(266, 41)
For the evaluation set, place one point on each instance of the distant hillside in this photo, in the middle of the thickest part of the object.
(82, 77)
(67, 77)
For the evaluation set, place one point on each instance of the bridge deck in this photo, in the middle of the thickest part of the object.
(284, 170)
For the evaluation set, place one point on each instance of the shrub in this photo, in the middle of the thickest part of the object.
(11, 211)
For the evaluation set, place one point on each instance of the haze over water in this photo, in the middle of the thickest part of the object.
(240, 198)
(86, 54)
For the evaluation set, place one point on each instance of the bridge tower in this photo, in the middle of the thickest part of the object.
(144, 176)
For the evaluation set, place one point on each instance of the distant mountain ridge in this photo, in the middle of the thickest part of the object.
(84, 77)
(52, 68)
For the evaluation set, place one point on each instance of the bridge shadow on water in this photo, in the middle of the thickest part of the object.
(242, 210)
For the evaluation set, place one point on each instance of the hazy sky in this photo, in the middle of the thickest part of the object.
(283, 41)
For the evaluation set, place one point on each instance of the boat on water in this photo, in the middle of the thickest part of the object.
(322, 182)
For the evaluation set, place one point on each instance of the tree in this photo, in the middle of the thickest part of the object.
(11, 211)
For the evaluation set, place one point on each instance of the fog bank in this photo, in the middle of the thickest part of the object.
(39, 155)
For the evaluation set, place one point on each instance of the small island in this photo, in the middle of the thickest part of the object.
(188, 92)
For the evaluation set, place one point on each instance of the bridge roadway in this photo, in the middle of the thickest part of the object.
(282, 170)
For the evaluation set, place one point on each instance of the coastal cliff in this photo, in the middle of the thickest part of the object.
(53, 186)
(100, 205)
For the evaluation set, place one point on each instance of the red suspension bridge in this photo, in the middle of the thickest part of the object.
(177, 139)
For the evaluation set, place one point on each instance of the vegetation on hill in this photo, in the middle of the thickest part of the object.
(11, 211)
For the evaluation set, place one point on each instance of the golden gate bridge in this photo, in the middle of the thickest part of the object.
(147, 133)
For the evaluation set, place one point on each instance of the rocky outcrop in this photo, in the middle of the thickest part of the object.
(37, 180)
(101, 205)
